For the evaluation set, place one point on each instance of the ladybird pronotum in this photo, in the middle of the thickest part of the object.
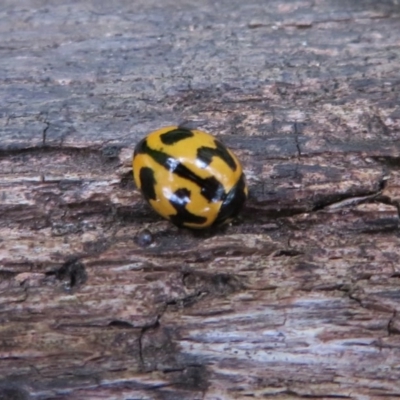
(189, 177)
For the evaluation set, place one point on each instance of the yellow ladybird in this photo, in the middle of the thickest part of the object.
(189, 177)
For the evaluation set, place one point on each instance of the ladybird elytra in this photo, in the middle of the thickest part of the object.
(189, 177)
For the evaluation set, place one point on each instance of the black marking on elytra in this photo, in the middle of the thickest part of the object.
(181, 197)
(176, 135)
(233, 202)
(179, 200)
(211, 188)
(147, 183)
(158, 156)
(205, 154)
(139, 147)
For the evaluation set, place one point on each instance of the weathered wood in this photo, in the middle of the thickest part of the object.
(299, 298)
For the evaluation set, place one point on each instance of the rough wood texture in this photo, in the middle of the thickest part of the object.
(299, 299)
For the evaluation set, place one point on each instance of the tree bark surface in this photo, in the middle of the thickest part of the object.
(299, 298)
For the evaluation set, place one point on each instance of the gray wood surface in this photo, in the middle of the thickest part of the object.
(298, 299)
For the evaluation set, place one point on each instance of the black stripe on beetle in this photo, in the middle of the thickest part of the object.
(176, 136)
(211, 188)
(233, 202)
(147, 183)
(180, 197)
(205, 155)
(178, 200)
(138, 148)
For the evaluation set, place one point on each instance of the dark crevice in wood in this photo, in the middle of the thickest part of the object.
(288, 253)
(120, 324)
(6, 274)
(297, 132)
(352, 296)
(252, 211)
(311, 396)
(393, 328)
(172, 370)
(337, 199)
(46, 149)
(383, 226)
(391, 162)
(44, 133)
(127, 181)
(72, 274)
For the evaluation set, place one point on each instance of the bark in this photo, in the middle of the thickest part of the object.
(297, 299)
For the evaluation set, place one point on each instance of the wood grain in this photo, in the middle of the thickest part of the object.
(299, 298)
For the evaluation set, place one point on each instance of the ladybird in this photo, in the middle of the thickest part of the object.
(189, 177)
